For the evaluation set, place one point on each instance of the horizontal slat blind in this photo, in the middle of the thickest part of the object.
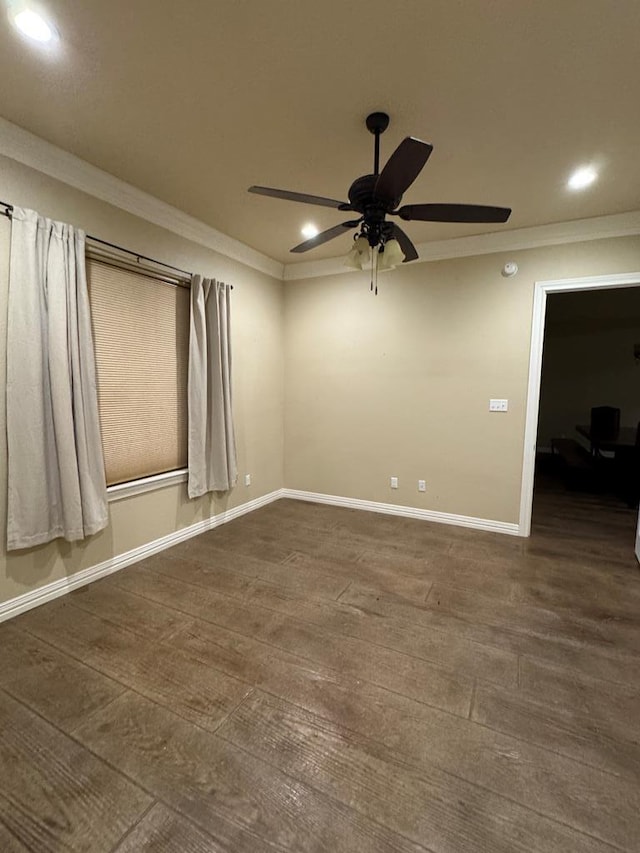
(141, 336)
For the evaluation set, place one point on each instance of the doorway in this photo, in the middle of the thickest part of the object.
(542, 291)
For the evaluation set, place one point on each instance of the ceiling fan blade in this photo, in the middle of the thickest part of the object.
(301, 197)
(453, 213)
(402, 168)
(325, 236)
(408, 249)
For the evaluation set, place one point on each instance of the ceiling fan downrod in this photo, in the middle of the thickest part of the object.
(377, 123)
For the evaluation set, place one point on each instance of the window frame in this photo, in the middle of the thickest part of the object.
(146, 484)
(140, 485)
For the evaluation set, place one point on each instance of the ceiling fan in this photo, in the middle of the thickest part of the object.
(378, 195)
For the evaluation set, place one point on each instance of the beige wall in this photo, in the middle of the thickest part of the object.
(359, 387)
(399, 384)
(588, 360)
(258, 382)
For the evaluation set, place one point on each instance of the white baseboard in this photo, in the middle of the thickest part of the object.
(48, 592)
(406, 512)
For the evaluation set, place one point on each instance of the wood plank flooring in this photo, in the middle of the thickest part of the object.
(310, 678)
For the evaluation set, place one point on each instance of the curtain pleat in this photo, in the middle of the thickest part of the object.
(212, 449)
(56, 481)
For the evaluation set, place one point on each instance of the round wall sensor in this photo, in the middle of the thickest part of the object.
(509, 269)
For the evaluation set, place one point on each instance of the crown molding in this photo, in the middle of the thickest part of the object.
(32, 151)
(575, 231)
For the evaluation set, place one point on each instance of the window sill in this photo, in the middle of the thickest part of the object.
(146, 484)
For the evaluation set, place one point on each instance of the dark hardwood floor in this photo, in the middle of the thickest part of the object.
(311, 678)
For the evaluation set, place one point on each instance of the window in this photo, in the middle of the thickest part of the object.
(141, 337)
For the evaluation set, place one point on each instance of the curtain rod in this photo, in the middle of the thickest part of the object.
(8, 211)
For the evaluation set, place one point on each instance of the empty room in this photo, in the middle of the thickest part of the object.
(301, 548)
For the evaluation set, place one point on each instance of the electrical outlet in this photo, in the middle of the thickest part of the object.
(394, 482)
(422, 485)
(247, 479)
(498, 405)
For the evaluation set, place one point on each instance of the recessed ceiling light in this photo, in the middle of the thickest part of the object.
(33, 25)
(582, 177)
(309, 230)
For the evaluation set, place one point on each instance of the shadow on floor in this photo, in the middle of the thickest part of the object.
(588, 515)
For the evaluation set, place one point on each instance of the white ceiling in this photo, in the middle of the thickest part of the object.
(194, 101)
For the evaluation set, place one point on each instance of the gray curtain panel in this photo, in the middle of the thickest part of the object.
(56, 480)
(212, 446)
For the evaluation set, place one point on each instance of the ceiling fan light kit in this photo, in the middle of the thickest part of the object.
(360, 254)
(377, 196)
(390, 255)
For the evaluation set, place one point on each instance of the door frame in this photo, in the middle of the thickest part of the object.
(541, 289)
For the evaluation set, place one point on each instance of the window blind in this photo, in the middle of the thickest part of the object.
(141, 338)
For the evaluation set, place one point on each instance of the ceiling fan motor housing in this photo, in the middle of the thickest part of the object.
(363, 199)
(374, 209)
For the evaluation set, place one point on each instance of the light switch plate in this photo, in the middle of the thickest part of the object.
(498, 405)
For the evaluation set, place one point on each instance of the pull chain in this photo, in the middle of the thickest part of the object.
(377, 258)
(373, 286)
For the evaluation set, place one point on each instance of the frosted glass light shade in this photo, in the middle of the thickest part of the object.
(391, 257)
(360, 254)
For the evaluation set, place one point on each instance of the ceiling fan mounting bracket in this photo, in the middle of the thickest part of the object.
(377, 122)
